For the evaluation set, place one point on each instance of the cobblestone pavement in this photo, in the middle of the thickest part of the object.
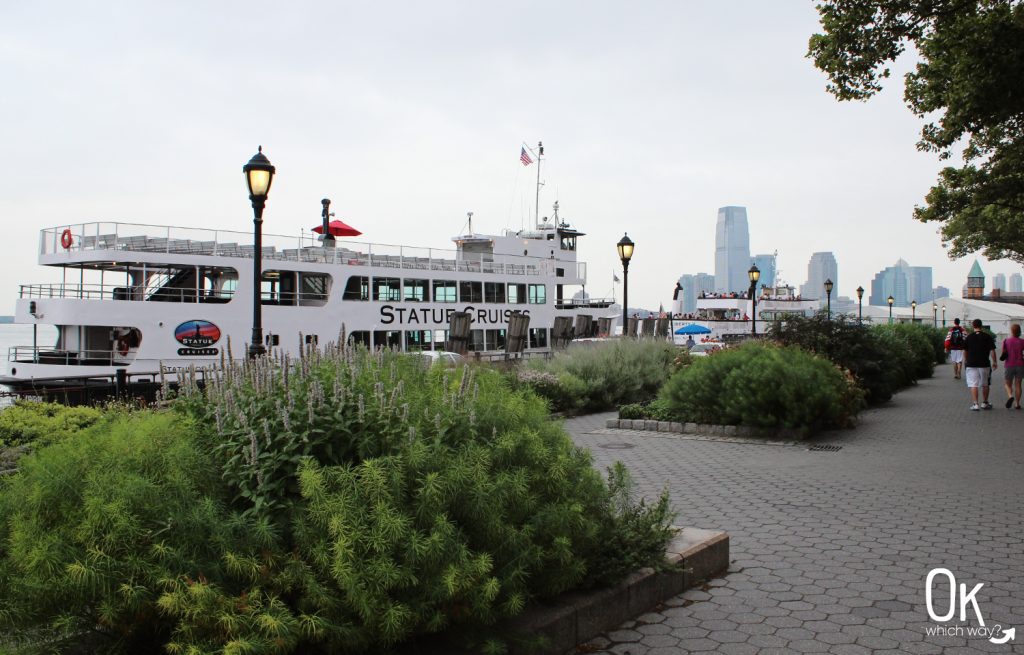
(830, 550)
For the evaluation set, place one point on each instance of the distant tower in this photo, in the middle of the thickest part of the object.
(821, 267)
(1015, 283)
(732, 250)
(975, 282)
(999, 282)
(765, 264)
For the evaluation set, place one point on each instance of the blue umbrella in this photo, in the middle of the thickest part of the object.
(693, 328)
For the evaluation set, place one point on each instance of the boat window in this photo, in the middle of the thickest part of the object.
(418, 340)
(538, 337)
(312, 339)
(415, 290)
(278, 287)
(494, 292)
(357, 288)
(387, 339)
(359, 338)
(314, 288)
(440, 338)
(387, 288)
(538, 294)
(495, 339)
(476, 340)
(568, 242)
(471, 292)
(516, 294)
(444, 290)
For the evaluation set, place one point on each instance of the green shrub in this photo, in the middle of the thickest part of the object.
(656, 410)
(601, 376)
(341, 503)
(42, 423)
(878, 363)
(764, 385)
(937, 338)
(917, 344)
(96, 527)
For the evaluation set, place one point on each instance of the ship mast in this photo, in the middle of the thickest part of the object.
(536, 209)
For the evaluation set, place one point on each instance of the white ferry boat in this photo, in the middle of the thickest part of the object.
(727, 316)
(145, 298)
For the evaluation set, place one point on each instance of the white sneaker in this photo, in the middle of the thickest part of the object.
(975, 407)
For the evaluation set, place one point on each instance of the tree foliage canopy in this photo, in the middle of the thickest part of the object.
(966, 85)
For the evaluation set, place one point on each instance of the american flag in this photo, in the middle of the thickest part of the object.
(525, 157)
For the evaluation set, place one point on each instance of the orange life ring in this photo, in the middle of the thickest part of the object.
(66, 239)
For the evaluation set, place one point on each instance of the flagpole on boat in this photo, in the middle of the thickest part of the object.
(536, 209)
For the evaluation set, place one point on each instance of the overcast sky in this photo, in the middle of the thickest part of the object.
(408, 115)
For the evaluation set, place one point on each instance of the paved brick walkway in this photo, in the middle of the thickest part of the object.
(830, 550)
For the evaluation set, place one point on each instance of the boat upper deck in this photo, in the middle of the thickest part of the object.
(101, 237)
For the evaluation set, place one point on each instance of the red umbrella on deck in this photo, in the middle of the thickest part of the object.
(338, 229)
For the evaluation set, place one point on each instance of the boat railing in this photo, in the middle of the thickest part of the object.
(99, 237)
(107, 291)
(48, 355)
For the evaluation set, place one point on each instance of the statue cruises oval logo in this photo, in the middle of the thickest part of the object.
(197, 337)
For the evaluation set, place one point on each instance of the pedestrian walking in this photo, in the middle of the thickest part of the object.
(956, 340)
(1013, 366)
(979, 349)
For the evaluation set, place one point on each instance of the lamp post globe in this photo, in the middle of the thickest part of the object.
(935, 315)
(259, 174)
(913, 311)
(828, 293)
(625, 247)
(943, 316)
(860, 305)
(890, 300)
(754, 274)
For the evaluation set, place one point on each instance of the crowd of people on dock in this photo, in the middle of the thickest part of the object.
(973, 355)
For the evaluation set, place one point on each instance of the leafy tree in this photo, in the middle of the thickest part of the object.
(966, 84)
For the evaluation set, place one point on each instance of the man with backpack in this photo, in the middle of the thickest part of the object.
(956, 342)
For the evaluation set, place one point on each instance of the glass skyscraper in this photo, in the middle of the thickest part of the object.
(765, 264)
(821, 267)
(732, 250)
(904, 283)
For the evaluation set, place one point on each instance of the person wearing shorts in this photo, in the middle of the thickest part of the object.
(980, 348)
(1013, 368)
(955, 341)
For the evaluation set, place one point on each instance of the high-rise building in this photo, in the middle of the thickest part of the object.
(765, 264)
(732, 250)
(1015, 283)
(821, 267)
(693, 286)
(999, 282)
(905, 283)
(941, 292)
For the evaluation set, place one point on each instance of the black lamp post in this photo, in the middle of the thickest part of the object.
(828, 292)
(913, 311)
(754, 274)
(625, 248)
(943, 316)
(860, 305)
(891, 300)
(259, 173)
(935, 315)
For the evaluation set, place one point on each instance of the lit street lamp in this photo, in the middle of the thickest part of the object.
(860, 306)
(828, 292)
(754, 274)
(935, 315)
(258, 175)
(891, 300)
(625, 248)
(943, 316)
(913, 311)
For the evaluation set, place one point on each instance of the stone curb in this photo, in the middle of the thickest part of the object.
(784, 434)
(575, 618)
